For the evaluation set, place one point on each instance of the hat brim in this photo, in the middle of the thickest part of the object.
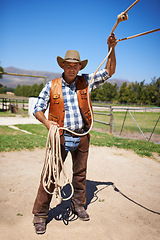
(60, 62)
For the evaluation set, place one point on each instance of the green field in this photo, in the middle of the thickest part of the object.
(13, 140)
(145, 120)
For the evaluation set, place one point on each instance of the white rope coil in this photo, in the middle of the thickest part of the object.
(54, 166)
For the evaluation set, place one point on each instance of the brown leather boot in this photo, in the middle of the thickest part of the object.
(39, 224)
(81, 213)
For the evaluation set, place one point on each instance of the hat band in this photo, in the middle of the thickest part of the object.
(72, 59)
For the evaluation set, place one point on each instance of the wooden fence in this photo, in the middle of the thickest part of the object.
(111, 109)
(8, 104)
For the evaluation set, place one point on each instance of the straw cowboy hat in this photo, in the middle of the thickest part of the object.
(72, 56)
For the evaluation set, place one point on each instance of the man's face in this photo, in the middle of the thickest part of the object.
(70, 71)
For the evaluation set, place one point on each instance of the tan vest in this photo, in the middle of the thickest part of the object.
(57, 109)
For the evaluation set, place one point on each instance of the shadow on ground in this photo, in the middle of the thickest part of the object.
(63, 212)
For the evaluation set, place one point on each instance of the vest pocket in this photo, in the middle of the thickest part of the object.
(53, 118)
(56, 98)
(83, 93)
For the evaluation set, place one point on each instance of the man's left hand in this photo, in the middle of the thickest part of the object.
(112, 41)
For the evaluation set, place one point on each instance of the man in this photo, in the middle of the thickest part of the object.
(69, 108)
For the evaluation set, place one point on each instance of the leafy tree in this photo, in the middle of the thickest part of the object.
(106, 92)
(123, 93)
(18, 91)
(154, 91)
(110, 91)
(1, 70)
(28, 91)
(158, 92)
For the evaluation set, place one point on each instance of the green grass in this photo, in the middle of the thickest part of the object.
(23, 113)
(7, 114)
(37, 129)
(13, 140)
(140, 147)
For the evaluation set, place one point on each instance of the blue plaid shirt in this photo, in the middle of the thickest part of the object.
(73, 119)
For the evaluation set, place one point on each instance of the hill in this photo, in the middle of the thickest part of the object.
(13, 81)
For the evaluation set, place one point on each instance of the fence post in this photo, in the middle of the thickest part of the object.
(154, 129)
(23, 106)
(111, 120)
(123, 122)
(3, 104)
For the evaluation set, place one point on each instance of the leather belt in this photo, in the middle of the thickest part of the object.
(72, 134)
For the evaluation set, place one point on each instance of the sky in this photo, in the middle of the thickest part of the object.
(34, 32)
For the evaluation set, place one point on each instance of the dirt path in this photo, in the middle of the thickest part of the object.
(126, 205)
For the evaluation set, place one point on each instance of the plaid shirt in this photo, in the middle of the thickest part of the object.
(73, 119)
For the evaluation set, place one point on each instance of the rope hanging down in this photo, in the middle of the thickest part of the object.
(53, 164)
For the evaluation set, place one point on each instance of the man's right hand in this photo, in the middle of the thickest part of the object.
(41, 117)
(49, 123)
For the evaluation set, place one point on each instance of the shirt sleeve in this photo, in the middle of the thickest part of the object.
(43, 99)
(100, 78)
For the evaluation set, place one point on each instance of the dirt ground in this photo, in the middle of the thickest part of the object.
(123, 198)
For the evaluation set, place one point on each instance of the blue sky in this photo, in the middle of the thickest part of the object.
(35, 32)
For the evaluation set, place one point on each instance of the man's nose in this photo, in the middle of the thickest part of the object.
(71, 68)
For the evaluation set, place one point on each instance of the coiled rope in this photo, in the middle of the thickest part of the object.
(53, 164)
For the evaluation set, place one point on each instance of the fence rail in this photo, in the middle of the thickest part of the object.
(127, 110)
(13, 105)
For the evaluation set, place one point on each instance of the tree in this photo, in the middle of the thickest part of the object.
(158, 92)
(110, 91)
(123, 93)
(28, 91)
(155, 91)
(17, 90)
(1, 70)
(106, 92)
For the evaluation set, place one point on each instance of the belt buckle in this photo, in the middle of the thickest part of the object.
(80, 131)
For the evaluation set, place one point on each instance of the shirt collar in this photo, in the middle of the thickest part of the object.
(72, 85)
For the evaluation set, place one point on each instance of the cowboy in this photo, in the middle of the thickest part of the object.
(69, 108)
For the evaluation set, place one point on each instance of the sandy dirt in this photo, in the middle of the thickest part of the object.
(123, 197)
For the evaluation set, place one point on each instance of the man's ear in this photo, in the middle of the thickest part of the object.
(80, 67)
(63, 65)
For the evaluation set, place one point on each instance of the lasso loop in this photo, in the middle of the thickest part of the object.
(122, 17)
